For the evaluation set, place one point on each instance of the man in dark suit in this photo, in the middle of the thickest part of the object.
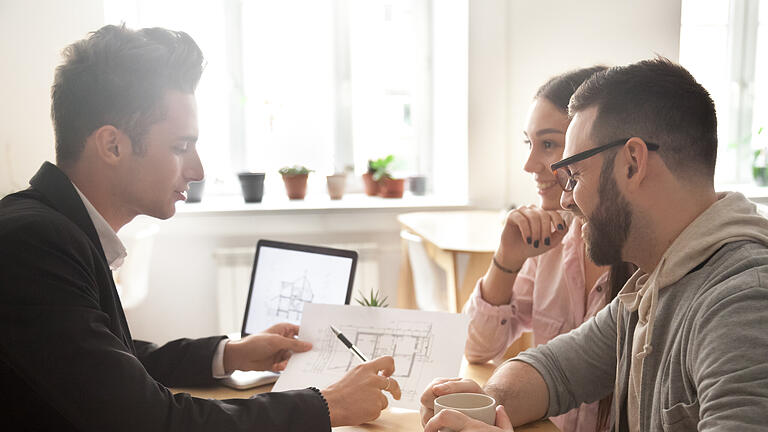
(125, 119)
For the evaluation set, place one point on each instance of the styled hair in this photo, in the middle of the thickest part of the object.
(560, 88)
(119, 77)
(658, 101)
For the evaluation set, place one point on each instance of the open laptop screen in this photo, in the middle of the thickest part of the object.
(285, 275)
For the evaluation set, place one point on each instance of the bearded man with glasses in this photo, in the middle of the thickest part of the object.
(683, 346)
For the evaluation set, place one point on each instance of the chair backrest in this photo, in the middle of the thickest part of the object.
(429, 280)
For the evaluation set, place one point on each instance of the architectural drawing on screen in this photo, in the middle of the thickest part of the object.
(289, 301)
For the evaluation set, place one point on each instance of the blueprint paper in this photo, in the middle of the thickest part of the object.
(425, 345)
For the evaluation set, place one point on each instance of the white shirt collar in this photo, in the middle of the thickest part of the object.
(114, 250)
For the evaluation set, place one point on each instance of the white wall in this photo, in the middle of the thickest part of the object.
(548, 37)
(32, 35)
(488, 84)
(515, 46)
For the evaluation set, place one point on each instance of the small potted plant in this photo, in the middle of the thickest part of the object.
(417, 184)
(295, 179)
(252, 185)
(376, 169)
(374, 299)
(389, 186)
(195, 192)
(336, 184)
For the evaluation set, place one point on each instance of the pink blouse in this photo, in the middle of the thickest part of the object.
(554, 307)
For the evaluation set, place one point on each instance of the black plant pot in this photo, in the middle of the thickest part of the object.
(417, 185)
(195, 193)
(252, 185)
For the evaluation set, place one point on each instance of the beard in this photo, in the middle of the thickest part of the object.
(610, 222)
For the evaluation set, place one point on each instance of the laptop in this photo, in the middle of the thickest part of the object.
(283, 278)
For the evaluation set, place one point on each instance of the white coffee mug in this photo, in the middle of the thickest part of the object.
(475, 405)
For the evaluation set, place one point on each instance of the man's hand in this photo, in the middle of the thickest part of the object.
(269, 350)
(357, 398)
(459, 422)
(444, 386)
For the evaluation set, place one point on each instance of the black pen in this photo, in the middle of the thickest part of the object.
(348, 344)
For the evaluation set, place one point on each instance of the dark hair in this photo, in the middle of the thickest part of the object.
(118, 76)
(658, 101)
(559, 89)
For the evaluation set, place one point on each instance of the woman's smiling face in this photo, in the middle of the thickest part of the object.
(545, 137)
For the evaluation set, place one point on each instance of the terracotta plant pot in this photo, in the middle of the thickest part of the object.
(336, 184)
(295, 186)
(391, 188)
(371, 186)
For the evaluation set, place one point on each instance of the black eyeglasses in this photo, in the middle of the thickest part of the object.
(563, 173)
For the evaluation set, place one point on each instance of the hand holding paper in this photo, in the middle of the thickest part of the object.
(268, 350)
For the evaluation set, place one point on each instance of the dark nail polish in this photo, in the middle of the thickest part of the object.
(536, 244)
(528, 239)
(546, 241)
(560, 226)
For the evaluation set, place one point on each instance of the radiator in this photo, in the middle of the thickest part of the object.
(234, 266)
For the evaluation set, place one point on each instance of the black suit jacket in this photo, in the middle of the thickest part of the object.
(67, 360)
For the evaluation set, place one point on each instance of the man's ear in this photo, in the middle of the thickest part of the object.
(634, 156)
(110, 144)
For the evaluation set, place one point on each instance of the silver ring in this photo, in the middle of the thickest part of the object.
(387, 387)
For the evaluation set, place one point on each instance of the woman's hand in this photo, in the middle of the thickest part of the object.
(528, 232)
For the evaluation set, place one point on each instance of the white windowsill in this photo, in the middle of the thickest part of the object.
(233, 204)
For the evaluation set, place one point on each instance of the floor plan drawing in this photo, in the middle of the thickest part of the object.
(409, 346)
(423, 345)
(284, 280)
(289, 302)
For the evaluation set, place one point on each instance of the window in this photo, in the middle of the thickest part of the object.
(724, 44)
(327, 84)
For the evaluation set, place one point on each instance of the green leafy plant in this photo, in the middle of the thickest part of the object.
(379, 168)
(294, 170)
(372, 300)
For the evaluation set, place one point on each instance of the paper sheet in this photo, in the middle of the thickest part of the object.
(425, 345)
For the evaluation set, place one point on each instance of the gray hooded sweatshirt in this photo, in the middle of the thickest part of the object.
(693, 347)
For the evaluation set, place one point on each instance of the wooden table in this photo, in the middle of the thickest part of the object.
(447, 236)
(392, 419)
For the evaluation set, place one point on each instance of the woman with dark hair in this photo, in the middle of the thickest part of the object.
(541, 278)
